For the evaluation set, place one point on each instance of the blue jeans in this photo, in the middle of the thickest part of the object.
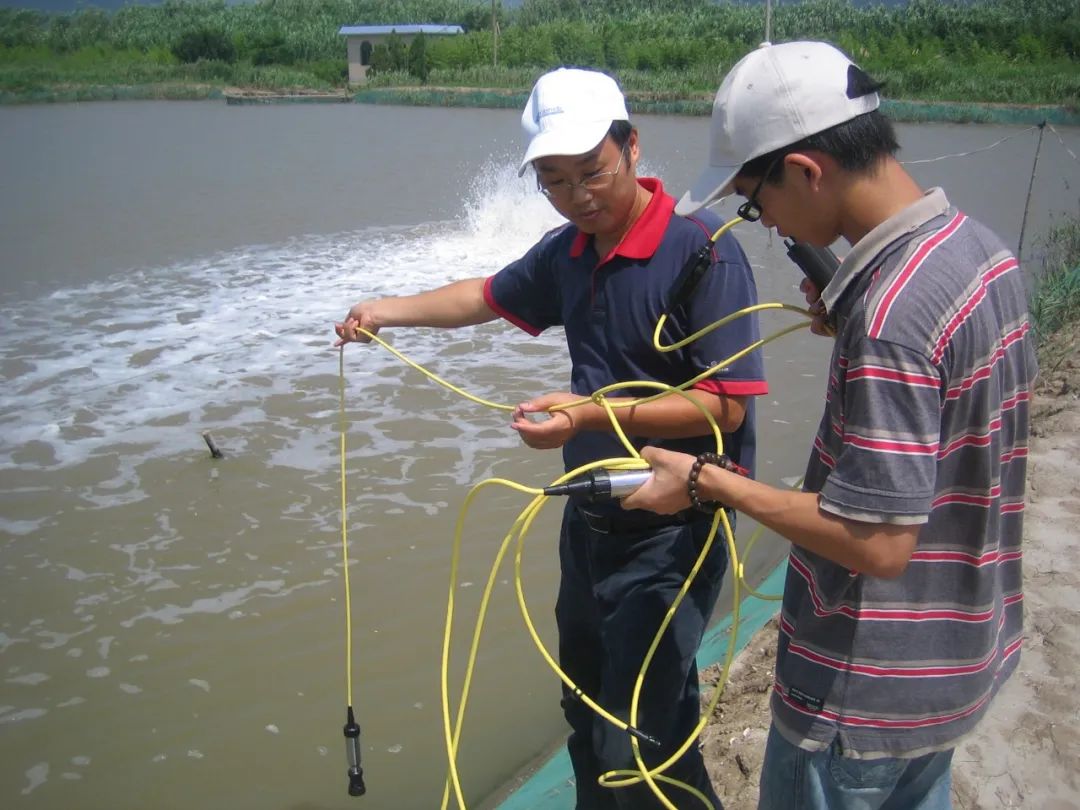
(616, 588)
(794, 779)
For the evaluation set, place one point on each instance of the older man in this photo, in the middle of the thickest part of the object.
(605, 277)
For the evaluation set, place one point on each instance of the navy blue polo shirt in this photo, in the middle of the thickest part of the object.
(609, 308)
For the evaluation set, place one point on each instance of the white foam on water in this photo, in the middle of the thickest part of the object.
(36, 776)
(7, 641)
(158, 353)
(239, 344)
(21, 527)
(174, 614)
(30, 678)
(23, 714)
(55, 639)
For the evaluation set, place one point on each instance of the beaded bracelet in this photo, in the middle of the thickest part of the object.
(695, 470)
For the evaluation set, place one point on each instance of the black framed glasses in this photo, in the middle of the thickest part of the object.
(751, 209)
(597, 181)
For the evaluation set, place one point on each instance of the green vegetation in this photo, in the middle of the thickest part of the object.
(984, 50)
(1055, 299)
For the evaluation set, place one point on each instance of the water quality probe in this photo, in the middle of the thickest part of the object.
(601, 484)
(352, 755)
(606, 485)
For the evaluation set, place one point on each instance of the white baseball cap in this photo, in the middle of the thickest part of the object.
(776, 96)
(569, 112)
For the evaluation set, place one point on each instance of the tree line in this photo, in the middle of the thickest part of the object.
(690, 42)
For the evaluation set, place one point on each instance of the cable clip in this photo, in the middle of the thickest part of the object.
(689, 277)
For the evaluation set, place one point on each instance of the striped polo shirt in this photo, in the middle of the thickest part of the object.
(926, 422)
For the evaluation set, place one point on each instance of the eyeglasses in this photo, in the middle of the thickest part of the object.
(751, 209)
(564, 189)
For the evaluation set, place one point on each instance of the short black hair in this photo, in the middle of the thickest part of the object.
(619, 131)
(857, 145)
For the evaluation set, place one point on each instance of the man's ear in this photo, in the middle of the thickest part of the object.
(633, 148)
(807, 165)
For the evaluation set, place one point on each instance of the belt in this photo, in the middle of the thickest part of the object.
(636, 521)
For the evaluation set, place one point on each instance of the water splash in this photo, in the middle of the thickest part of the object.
(152, 355)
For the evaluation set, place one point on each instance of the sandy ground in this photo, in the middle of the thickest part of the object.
(1026, 752)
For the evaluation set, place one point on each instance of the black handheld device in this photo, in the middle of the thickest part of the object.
(691, 273)
(819, 264)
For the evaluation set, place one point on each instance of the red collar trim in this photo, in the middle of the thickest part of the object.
(645, 235)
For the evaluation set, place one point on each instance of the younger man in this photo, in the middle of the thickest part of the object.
(902, 611)
(605, 277)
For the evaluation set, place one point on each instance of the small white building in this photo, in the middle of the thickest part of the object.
(362, 39)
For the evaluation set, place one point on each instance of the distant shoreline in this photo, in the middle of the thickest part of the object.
(655, 104)
(908, 111)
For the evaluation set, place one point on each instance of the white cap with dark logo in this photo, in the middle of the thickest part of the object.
(776, 96)
(569, 112)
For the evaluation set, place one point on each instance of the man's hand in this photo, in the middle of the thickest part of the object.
(819, 325)
(551, 432)
(361, 316)
(665, 492)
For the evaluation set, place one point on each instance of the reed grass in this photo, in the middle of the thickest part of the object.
(1055, 296)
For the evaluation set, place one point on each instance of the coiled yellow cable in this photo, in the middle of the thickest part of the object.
(521, 526)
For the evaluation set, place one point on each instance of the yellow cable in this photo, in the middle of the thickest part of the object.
(452, 732)
(740, 573)
(727, 226)
(723, 322)
(435, 377)
(521, 526)
(345, 532)
(644, 773)
(452, 737)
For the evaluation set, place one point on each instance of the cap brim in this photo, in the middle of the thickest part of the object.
(581, 139)
(711, 185)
